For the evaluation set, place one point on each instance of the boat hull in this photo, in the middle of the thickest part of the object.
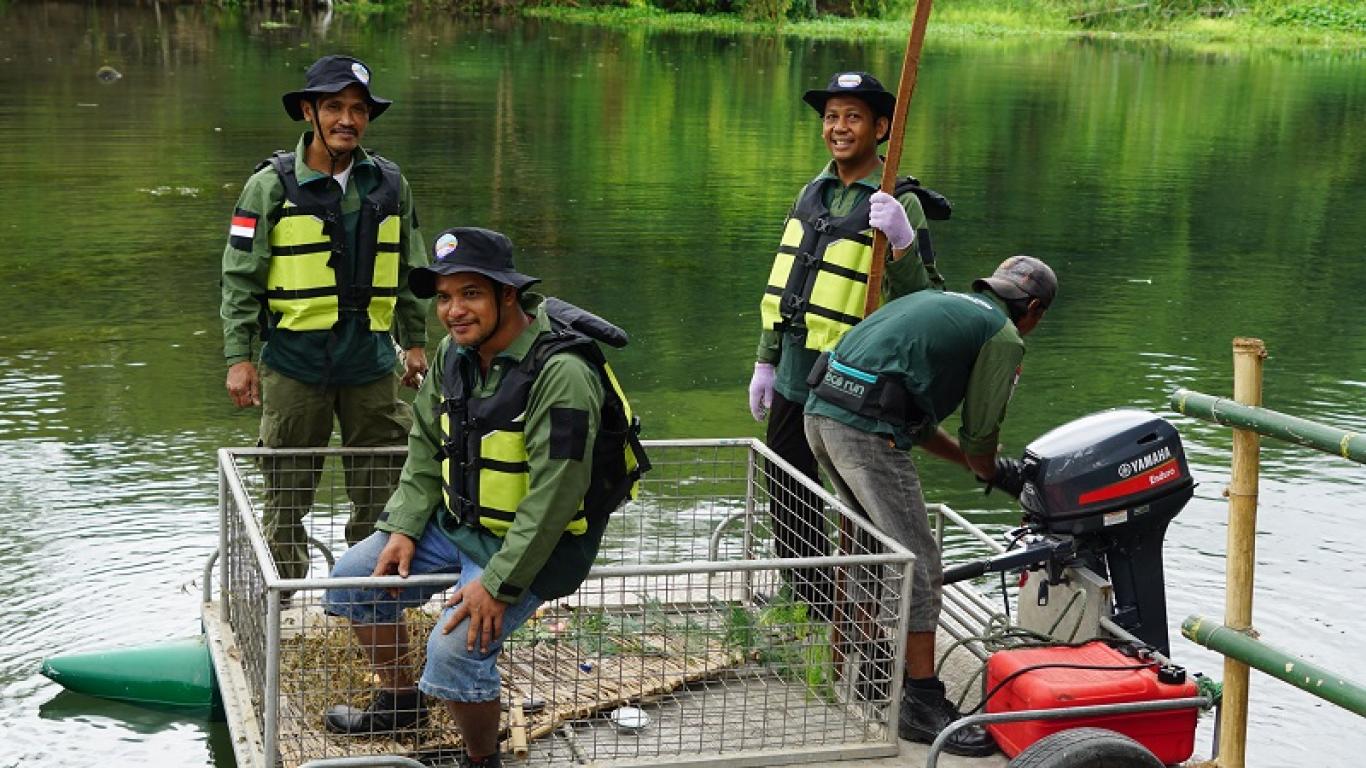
(173, 674)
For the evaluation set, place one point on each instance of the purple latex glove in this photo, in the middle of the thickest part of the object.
(887, 215)
(761, 390)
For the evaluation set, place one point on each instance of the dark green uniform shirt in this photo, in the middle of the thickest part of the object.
(946, 349)
(905, 275)
(536, 551)
(350, 353)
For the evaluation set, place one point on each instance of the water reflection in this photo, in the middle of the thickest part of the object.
(1183, 198)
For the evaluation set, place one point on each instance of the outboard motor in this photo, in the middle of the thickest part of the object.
(1099, 493)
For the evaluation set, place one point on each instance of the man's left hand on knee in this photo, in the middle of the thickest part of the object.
(474, 602)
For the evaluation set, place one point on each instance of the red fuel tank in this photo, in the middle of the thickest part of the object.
(1169, 735)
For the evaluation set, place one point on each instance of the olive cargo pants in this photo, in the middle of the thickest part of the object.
(298, 415)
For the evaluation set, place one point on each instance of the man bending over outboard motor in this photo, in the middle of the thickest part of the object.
(886, 386)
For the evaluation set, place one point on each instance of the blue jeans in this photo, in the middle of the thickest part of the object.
(451, 672)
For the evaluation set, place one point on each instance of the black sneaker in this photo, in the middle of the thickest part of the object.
(494, 760)
(386, 712)
(926, 711)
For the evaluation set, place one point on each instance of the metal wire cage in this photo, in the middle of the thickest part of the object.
(736, 609)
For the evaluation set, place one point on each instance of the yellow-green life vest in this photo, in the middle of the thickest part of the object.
(485, 472)
(819, 281)
(307, 240)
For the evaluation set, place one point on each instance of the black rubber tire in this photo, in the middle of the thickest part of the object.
(1086, 748)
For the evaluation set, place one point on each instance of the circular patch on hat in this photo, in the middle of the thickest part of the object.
(362, 74)
(445, 245)
(850, 80)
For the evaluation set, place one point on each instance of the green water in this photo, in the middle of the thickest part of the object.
(1183, 198)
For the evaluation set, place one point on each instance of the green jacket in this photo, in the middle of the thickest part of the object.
(946, 349)
(350, 353)
(536, 552)
(903, 276)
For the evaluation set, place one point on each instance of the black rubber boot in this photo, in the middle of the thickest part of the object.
(386, 712)
(926, 711)
(494, 760)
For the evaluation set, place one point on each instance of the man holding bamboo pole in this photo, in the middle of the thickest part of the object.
(817, 288)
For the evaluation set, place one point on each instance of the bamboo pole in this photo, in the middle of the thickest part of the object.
(1311, 434)
(910, 70)
(1302, 674)
(1242, 550)
(517, 730)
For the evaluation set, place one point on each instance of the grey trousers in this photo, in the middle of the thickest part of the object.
(298, 415)
(880, 481)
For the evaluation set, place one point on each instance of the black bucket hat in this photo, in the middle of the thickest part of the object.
(329, 75)
(860, 84)
(1021, 277)
(469, 249)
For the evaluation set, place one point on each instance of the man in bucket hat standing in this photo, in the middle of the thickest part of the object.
(885, 387)
(319, 249)
(817, 286)
(524, 445)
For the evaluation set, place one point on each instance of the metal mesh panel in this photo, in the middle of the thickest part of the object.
(690, 640)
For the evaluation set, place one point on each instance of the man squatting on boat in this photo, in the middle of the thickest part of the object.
(516, 504)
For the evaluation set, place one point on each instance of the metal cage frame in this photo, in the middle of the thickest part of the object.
(732, 558)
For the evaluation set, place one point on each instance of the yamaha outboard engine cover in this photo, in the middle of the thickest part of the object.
(1113, 481)
(1106, 469)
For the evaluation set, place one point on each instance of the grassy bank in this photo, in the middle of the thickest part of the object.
(1268, 25)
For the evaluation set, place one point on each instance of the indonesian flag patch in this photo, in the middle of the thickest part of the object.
(242, 229)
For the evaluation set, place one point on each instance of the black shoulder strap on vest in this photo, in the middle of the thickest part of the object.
(305, 203)
(382, 201)
(283, 163)
(271, 160)
(390, 174)
(452, 377)
(454, 394)
(811, 209)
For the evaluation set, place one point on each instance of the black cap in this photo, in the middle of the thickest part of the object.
(1019, 277)
(332, 74)
(469, 249)
(860, 84)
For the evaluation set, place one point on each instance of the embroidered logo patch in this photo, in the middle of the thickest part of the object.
(850, 80)
(362, 74)
(445, 246)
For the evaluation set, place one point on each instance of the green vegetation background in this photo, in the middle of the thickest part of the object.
(1275, 23)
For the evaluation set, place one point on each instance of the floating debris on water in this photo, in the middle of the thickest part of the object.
(181, 191)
